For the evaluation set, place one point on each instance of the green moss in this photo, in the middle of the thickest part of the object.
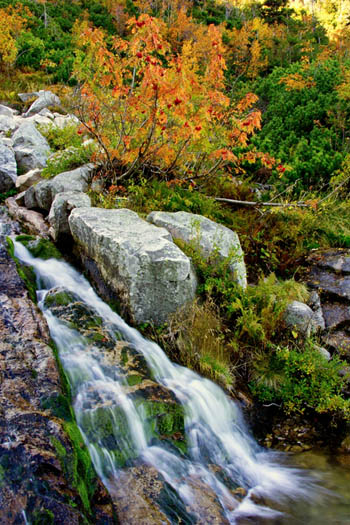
(26, 273)
(43, 517)
(2, 476)
(61, 298)
(38, 247)
(134, 379)
(163, 420)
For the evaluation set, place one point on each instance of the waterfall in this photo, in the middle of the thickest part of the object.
(221, 453)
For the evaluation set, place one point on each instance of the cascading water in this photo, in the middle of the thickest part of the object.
(221, 453)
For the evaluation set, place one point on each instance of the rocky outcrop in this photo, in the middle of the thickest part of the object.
(61, 208)
(8, 168)
(214, 240)
(329, 274)
(69, 181)
(39, 460)
(139, 261)
(31, 148)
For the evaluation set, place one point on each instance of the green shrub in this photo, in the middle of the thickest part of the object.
(301, 379)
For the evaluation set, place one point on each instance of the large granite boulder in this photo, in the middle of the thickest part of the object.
(8, 168)
(76, 180)
(139, 261)
(212, 239)
(44, 100)
(31, 148)
(7, 112)
(61, 208)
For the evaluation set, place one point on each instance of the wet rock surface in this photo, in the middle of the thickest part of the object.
(35, 487)
(329, 274)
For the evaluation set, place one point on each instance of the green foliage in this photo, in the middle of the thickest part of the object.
(65, 158)
(10, 193)
(302, 379)
(298, 127)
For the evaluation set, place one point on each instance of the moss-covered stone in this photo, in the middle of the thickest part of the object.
(38, 247)
(25, 272)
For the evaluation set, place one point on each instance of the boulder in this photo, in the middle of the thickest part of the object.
(299, 317)
(139, 261)
(24, 182)
(33, 221)
(7, 124)
(30, 201)
(7, 112)
(65, 120)
(212, 239)
(31, 148)
(8, 168)
(44, 100)
(76, 180)
(61, 208)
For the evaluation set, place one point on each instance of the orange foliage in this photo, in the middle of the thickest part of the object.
(12, 21)
(153, 109)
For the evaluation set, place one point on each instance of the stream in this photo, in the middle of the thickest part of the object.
(222, 462)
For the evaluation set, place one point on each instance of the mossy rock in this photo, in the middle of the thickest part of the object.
(59, 297)
(38, 247)
(25, 272)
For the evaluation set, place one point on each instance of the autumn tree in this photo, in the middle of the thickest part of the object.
(13, 21)
(156, 111)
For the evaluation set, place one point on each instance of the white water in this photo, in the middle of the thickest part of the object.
(215, 429)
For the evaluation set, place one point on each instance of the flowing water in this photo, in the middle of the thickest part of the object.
(221, 453)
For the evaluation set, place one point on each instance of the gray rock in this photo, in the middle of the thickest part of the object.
(45, 99)
(42, 195)
(24, 182)
(76, 180)
(315, 304)
(211, 238)
(46, 113)
(139, 261)
(8, 168)
(322, 351)
(30, 201)
(65, 120)
(7, 112)
(27, 96)
(299, 317)
(6, 141)
(7, 124)
(61, 208)
(31, 148)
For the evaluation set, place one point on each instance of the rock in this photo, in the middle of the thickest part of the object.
(337, 315)
(33, 221)
(299, 317)
(8, 168)
(76, 180)
(27, 96)
(62, 121)
(30, 201)
(19, 198)
(340, 342)
(6, 141)
(35, 486)
(31, 148)
(315, 304)
(5, 111)
(46, 113)
(24, 182)
(322, 351)
(211, 238)
(61, 208)
(45, 99)
(7, 124)
(139, 261)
